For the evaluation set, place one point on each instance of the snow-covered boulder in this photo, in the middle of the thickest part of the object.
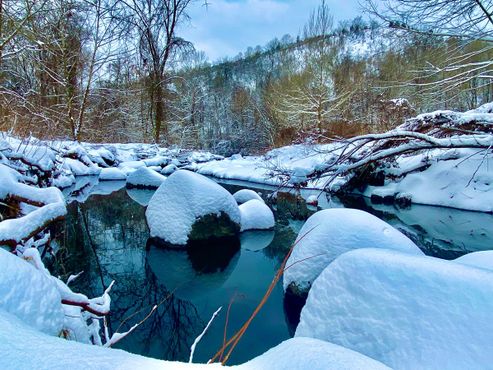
(169, 169)
(30, 295)
(244, 195)
(188, 206)
(256, 215)
(329, 233)
(482, 259)
(409, 312)
(112, 174)
(145, 178)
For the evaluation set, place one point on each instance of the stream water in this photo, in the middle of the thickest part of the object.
(106, 236)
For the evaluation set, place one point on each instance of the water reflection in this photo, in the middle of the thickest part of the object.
(106, 237)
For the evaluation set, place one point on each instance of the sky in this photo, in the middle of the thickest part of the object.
(226, 27)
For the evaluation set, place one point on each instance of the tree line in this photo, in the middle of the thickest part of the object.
(117, 70)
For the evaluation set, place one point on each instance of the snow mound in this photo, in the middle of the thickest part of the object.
(409, 312)
(244, 195)
(30, 295)
(303, 353)
(60, 354)
(482, 259)
(181, 200)
(145, 178)
(329, 233)
(112, 174)
(256, 215)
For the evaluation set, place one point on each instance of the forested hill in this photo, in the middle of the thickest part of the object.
(359, 78)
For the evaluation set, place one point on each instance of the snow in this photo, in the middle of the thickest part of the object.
(51, 199)
(30, 349)
(456, 183)
(30, 295)
(144, 177)
(169, 169)
(244, 195)
(111, 174)
(407, 311)
(331, 232)
(256, 215)
(481, 259)
(304, 353)
(182, 199)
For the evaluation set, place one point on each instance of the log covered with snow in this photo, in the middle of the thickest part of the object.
(407, 311)
(329, 233)
(188, 206)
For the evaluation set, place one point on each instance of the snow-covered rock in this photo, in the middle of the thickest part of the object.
(312, 200)
(145, 178)
(169, 169)
(112, 174)
(29, 294)
(409, 312)
(481, 259)
(331, 232)
(244, 195)
(185, 198)
(256, 215)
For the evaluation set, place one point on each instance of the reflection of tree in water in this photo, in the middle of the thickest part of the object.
(106, 237)
(168, 332)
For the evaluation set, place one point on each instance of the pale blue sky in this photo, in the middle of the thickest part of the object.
(227, 27)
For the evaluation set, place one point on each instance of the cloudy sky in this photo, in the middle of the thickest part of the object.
(226, 27)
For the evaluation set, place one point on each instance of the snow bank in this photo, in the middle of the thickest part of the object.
(482, 259)
(409, 312)
(181, 200)
(145, 178)
(30, 295)
(49, 201)
(112, 174)
(244, 195)
(313, 354)
(256, 215)
(332, 232)
(58, 354)
(464, 182)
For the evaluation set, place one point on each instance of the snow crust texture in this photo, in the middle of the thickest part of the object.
(256, 215)
(409, 312)
(331, 232)
(183, 198)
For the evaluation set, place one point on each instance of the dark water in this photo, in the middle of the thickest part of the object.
(105, 235)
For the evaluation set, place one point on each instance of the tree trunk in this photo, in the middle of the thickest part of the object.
(159, 108)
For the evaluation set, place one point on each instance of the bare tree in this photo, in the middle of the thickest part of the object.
(156, 23)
